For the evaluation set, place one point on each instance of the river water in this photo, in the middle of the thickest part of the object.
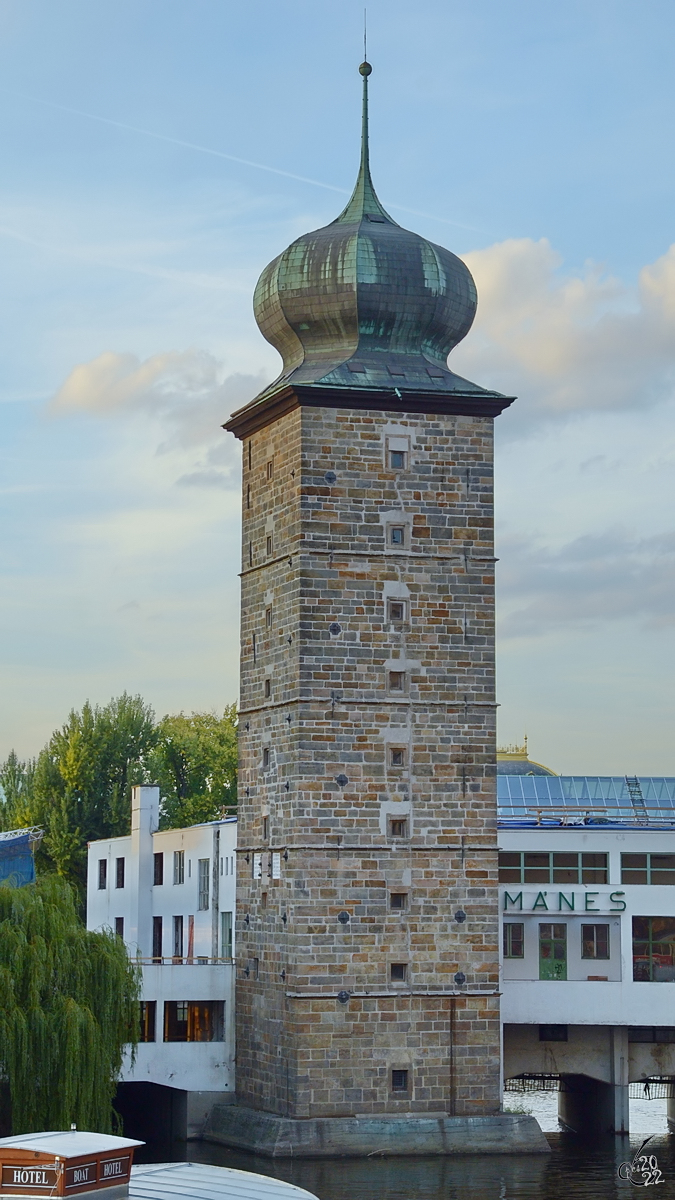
(575, 1169)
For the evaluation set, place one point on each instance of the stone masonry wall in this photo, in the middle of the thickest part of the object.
(367, 749)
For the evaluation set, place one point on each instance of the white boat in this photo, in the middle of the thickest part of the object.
(196, 1181)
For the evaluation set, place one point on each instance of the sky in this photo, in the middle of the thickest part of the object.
(157, 154)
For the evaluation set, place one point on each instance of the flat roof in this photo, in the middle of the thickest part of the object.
(638, 802)
(68, 1143)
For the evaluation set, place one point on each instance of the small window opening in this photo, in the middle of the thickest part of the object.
(397, 681)
(398, 901)
(266, 757)
(398, 972)
(268, 688)
(268, 618)
(119, 926)
(266, 826)
(396, 610)
(399, 1081)
(397, 756)
(270, 544)
(119, 873)
(397, 460)
(270, 469)
(397, 535)
(263, 899)
(248, 496)
(158, 870)
(398, 827)
(102, 873)
(249, 456)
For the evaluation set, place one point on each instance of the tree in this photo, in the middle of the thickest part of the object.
(80, 789)
(16, 782)
(195, 765)
(68, 1007)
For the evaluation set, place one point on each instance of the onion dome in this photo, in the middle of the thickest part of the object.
(366, 305)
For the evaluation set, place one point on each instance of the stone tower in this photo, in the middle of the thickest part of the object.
(367, 920)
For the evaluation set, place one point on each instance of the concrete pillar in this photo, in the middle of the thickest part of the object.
(144, 822)
(670, 1113)
(618, 1049)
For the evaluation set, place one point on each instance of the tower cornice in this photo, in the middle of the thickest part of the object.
(274, 404)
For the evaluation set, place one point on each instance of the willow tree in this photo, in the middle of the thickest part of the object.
(68, 1008)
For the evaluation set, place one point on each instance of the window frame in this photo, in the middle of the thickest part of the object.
(391, 601)
(102, 874)
(595, 926)
(396, 751)
(397, 686)
(400, 1080)
(399, 972)
(508, 939)
(394, 898)
(120, 871)
(647, 870)
(157, 939)
(147, 1021)
(158, 869)
(403, 821)
(587, 872)
(203, 884)
(394, 532)
(178, 867)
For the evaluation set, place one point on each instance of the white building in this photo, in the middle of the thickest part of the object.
(587, 897)
(171, 896)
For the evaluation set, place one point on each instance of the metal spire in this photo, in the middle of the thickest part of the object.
(364, 201)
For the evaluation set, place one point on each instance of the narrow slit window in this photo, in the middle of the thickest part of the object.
(119, 926)
(266, 757)
(266, 828)
(269, 544)
(268, 688)
(157, 940)
(268, 618)
(204, 883)
(270, 469)
(179, 866)
(119, 873)
(158, 869)
(102, 873)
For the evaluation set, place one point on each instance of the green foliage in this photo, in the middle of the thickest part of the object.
(82, 780)
(195, 765)
(68, 1007)
(79, 788)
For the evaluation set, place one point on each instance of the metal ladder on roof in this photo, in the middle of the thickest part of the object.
(637, 799)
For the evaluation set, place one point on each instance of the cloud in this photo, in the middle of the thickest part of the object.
(569, 343)
(187, 391)
(593, 579)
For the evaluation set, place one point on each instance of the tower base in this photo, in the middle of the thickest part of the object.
(366, 1136)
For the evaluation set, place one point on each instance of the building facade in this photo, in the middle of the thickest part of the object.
(587, 897)
(170, 895)
(367, 909)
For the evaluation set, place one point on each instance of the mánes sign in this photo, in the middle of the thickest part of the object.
(554, 901)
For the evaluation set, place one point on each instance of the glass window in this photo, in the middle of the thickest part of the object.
(270, 469)
(268, 688)
(158, 879)
(595, 941)
(102, 873)
(204, 882)
(654, 949)
(398, 901)
(178, 937)
(398, 972)
(396, 610)
(594, 868)
(148, 1021)
(566, 868)
(179, 866)
(226, 935)
(269, 544)
(634, 868)
(157, 939)
(397, 681)
(648, 868)
(119, 873)
(537, 868)
(119, 926)
(398, 827)
(397, 756)
(513, 933)
(399, 1081)
(510, 867)
(397, 459)
(397, 535)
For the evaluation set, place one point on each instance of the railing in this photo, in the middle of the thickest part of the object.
(611, 813)
(197, 960)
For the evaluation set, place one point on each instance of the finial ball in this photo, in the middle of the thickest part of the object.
(365, 69)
